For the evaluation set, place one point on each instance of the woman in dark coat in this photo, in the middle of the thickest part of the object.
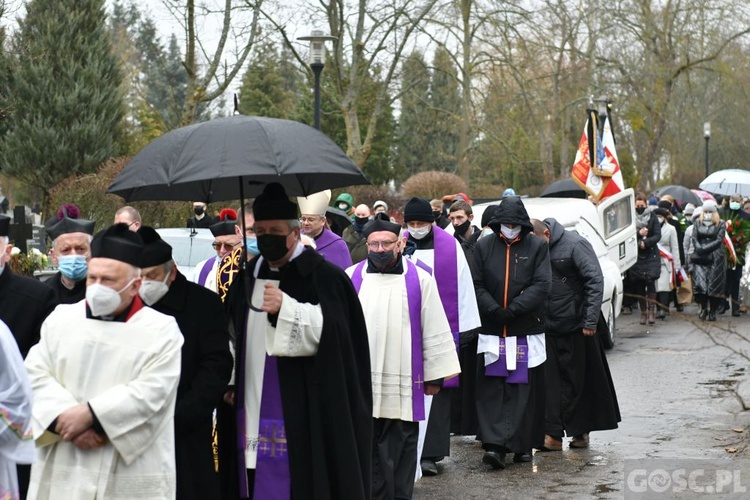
(647, 268)
(709, 261)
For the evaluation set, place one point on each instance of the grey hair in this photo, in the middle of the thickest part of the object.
(54, 242)
(293, 224)
(168, 266)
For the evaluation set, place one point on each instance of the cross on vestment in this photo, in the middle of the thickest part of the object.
(20, 230)
(276, 441)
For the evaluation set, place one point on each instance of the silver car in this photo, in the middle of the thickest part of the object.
(189, 247)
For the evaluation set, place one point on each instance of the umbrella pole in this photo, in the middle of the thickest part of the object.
(243, 254)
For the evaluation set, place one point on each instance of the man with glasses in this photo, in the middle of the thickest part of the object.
(71, 250)
(129, 216)
(313, 221)
(226, 239)
(405, 321)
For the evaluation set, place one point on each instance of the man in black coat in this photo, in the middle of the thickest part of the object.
(580, 393)
(200, 219)
(511, 274)
(206, 363)
(303, 394)
(24, 302)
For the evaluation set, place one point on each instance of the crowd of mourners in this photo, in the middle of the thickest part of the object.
(310, 359)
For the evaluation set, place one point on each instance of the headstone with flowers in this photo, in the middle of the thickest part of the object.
(25, 257)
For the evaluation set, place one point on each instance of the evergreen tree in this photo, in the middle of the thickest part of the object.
(269, 84)
(67, 99)
(411, 141)
(445, 113)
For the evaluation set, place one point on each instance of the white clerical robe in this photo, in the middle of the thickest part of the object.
(128, 373)
(210, 278)
(297, 333)
(16, 441)
(386, 309)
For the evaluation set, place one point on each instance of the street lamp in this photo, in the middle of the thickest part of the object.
(316, 59)
(707, 135)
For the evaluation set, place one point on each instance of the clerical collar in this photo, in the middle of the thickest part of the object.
(319, 234)
(396, 268)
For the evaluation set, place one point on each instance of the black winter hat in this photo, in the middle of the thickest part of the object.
(418, 209)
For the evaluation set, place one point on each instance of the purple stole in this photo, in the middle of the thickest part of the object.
(272, 477)
(446, 275)
(500, 368)
(203, 276)
(414, 298)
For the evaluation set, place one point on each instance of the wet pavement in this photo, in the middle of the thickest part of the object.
(677, 391)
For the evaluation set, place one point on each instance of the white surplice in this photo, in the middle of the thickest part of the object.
(16, 441)
(386, 309)
(210, 277)
(128, 373)
(297, 334)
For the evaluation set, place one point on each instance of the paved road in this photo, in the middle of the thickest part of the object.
(674, 386)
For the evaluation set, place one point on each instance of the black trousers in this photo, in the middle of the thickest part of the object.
(733, 286)
(394, 458)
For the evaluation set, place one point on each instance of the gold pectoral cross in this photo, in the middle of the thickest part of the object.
(275, 443)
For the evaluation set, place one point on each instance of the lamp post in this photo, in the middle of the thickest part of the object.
(707, 135)
(316, 60)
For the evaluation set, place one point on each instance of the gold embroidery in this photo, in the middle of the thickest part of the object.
(227, 270)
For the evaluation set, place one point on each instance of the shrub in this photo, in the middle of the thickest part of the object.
(433, 184)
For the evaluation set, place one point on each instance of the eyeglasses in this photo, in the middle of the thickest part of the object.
(310, 220)
(229, 246)
(385, 245)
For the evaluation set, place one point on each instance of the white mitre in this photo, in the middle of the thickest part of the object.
(315, 204)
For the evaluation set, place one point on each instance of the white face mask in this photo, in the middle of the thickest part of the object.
(418, 232)
(661, 219)
(152, 291)
(510, 234)
(102, 300)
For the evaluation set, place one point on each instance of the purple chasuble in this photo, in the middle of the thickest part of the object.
(203, 276)
(414, 298)
(333, 249)
(500, 367)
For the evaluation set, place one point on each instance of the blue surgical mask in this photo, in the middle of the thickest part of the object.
(73, 267)
(251, 245)
(734, 205)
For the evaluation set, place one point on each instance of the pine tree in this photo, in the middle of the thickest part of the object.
(269, 84)
(66, 90)
(445, 113)
(411, 141)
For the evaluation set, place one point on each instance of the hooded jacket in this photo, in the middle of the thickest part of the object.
(575, 297)
(511, 278)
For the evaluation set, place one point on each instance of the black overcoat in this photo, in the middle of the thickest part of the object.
(206, 368)
(65, 295)
(24, 305)
(326, 398)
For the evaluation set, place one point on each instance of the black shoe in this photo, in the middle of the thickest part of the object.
(702, 315)
(429, 467)
(736, 313)
(679, 308)
(521, 457)
(494, 459)
(711, 316)
(721, 309)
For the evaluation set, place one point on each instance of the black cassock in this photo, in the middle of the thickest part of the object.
(64, 294)
(24, 305)
(206, 368)
(326, 398)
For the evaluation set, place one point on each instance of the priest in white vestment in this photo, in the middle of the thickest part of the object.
(411, 352)
(104, 377)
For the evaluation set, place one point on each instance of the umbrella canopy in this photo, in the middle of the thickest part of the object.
(681, 194)
(727, 182)
(565, 188)
(338, 220)
(704, 196)
(235, 157)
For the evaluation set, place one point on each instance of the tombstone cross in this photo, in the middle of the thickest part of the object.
(20, 230)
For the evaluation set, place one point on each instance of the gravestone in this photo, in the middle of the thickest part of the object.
(20, 231)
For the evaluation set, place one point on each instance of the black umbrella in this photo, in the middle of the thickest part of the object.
(338, 220)
(680, 193)
(233, 158)
(565, 188)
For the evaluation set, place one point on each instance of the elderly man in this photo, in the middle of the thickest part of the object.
(200, 219)
(512, 279)
(104, 377)
(24, 302)
(71, 249)
(313, 218)
(226, 239)
(129, 216)
(353, 236)
(303, 392)
(580, 393)
(405, 321)
(441, 252)
(206, 363)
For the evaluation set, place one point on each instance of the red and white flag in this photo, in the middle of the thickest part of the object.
(610, 163)
(583, 174)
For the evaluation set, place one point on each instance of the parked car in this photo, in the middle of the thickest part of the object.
(609, 227)
(189, 247)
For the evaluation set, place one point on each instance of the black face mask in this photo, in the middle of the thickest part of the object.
(198, 210)
(272, 246)
(640, 210)
(436, 214)
(462, 228)
(361, 221)
(381, 259)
